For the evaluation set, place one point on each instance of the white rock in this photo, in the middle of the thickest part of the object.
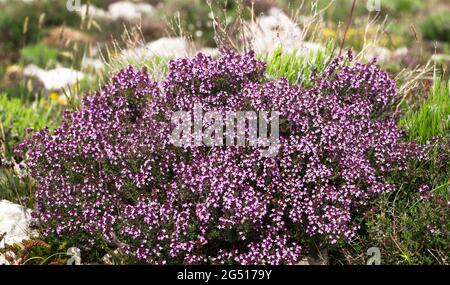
(75, 256)
(92, 64)
(55, 79)
(15, 222)
(125, 10)
(268, 32)
(277, 29)
(9, 255)
(3, 260)
(93, 11)
(130, 11)
(167, 47)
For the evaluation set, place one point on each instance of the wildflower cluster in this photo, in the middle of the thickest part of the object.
(109, 175)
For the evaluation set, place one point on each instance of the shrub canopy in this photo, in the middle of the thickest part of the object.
(108, 176)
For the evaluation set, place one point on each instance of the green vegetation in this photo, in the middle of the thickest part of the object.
(40, 55)
(17, 115)
(433, 116)
(436, 27)
(411, 226)
(296, 67)
(403, 6)
(25, 23)
(406, 228)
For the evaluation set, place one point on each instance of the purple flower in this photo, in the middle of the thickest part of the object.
(425, 193)
(109, 173)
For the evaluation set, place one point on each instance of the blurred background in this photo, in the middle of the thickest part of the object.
(44, 35)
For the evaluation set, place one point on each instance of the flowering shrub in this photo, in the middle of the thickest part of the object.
(109, 176)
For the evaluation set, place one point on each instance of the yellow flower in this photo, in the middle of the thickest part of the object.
(54, 96)
(62, 100)
(329, 33)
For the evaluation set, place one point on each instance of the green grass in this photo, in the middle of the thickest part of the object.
(406, 229)
(16, 115)
(433, 116)
(436, 27)
(15, 188)
(14, 15)
(156, 65)
(297, 69)
(40, 55)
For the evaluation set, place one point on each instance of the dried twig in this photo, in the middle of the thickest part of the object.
(350, 19)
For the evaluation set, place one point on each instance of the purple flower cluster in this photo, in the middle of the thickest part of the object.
(108, 174)
(425, 193)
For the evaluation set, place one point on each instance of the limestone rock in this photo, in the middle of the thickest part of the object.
(167, 47)
(5, 259)
(130, 11)
(15, 221)
(277, 29)
(124, 10)
(92, 64)
(54, 79)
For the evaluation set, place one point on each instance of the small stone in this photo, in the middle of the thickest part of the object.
(121, 10)
(54, 79)
(276, 29)
(7, 258)
(15, 221)
(166, 47)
